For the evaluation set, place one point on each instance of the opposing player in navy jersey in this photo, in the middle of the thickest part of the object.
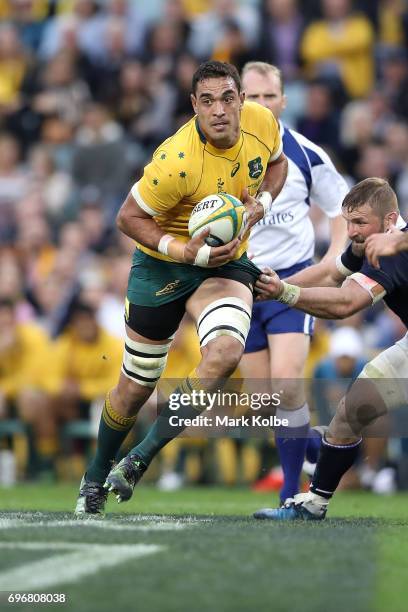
(393, 242)
(370, 208)
(279, 337)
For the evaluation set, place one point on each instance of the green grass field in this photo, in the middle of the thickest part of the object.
(198, 549)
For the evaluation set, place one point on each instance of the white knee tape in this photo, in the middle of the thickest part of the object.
(144, 363)
(225, 317)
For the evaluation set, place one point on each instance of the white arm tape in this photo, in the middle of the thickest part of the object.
(163, 245)
(265, 199)
(203, 255)
(341, 267)
(369, 285)
(290, 294)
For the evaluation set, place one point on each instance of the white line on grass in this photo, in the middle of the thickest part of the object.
(117, 525)
(184, 520)
(6, 523)
(125, 518)
(84, 560)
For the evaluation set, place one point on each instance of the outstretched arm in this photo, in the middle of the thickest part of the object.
(323, 302)
(334, 302)
(330, 272)
(323, 274)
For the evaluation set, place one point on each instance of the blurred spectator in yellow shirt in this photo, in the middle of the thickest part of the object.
(36, 9)
(87, 363)
(13, 66)
(391, 31)
(25, 384)
(340, 45)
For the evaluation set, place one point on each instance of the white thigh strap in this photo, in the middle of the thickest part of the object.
(144, 363)
(229, 316)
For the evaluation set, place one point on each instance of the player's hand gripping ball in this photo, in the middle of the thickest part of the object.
(224, 214)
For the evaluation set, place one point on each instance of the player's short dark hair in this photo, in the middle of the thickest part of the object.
(79, 307)
(215, 70)
(376, 192)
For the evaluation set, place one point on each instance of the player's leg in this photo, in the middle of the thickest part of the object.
(288, 335)
(118, 416)
(220, 303)
(221, 309)
(254, 366)
(255, 360)
(144, 359)
(380, 387)
(288, 353)
(141, 369)
(339, 449)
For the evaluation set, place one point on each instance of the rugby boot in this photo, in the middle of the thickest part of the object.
(123, 478)
(91, 500)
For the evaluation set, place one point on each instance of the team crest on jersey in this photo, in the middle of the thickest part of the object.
(220, 185)
(255, 167)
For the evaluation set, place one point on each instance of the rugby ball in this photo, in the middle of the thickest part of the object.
(223, 213)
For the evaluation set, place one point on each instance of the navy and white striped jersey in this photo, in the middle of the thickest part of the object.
(285, 236)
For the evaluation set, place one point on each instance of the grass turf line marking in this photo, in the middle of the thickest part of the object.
(84, 560)
(109, 526)
(144, 519)
(117, 526)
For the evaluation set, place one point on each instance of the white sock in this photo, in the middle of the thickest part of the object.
(299, 417)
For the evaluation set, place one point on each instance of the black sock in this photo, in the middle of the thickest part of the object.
(113, 429)
(334, 461)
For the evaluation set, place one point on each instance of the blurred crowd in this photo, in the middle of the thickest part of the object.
(88, 89)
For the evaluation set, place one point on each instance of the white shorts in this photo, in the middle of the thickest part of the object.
(389, 370)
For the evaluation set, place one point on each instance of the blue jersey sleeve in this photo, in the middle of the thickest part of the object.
(392, 274)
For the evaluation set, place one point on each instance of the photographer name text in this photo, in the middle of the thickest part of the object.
(227, 421)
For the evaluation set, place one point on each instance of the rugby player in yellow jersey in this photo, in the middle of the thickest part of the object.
(231, 146)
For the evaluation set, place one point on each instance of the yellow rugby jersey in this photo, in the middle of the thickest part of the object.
(186, 168)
